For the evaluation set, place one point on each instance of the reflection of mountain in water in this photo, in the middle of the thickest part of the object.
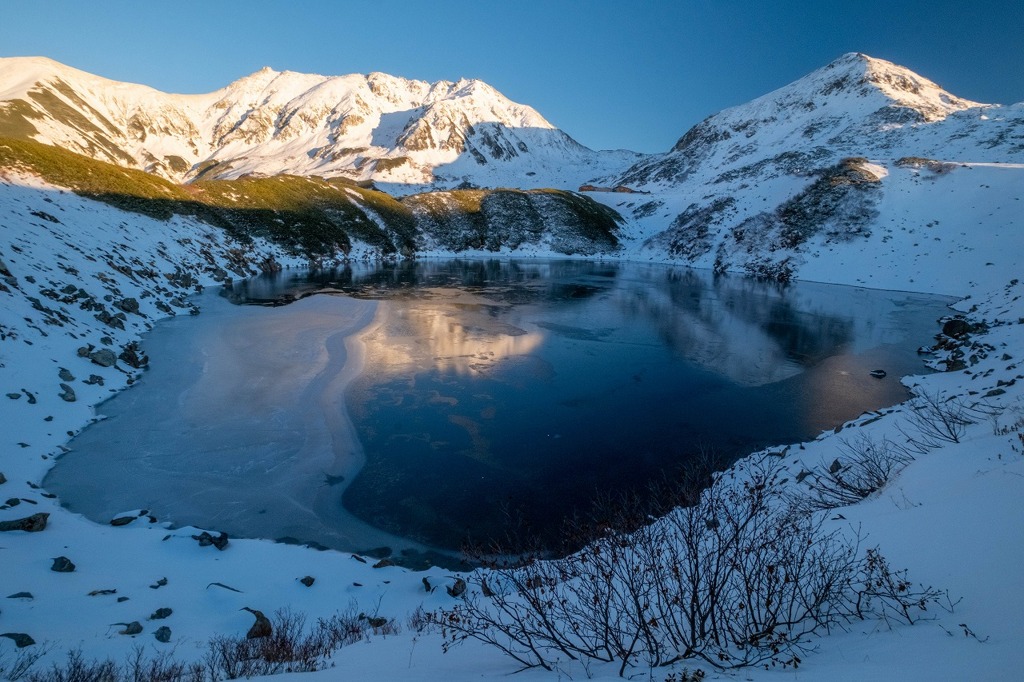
(753, 333)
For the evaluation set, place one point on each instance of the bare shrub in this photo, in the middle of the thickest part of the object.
(741, 577)
(934, 419)
(863, 467)
(291, 647)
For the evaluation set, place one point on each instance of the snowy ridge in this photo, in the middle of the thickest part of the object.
(363, 127)
(758, 188)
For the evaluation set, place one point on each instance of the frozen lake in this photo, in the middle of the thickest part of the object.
(415, 405)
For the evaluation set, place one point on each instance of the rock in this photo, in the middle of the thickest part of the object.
(83, 351)
(29, 524)
(205, 540)
(129, 305)
(384, 563)
(13, 396)
(956, 327)
(104, 357)
(133, 357)
(835, 466)
(100, 593)
(458, 589)
(3, 479)
(132, 628)
(158, 584)
(261, 628)
(21, 595)
(21, 640)
(877, 373)
(12, 502)
(163, 634)
(375, 622)
(67, 393)
(994, 392)
(307, 580)
(122, 520)
(804, 473)
(161, 613)
(62, 564)
(65, 375)
(426, 585)
(485, 589)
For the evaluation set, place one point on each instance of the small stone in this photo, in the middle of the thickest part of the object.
(122, 599)
(13, 396)
(307, 580)
(29, 524)
(161, 613)
(3, 479)
(13, 502)
(163, 634)
(21, 595)
(458, 589)
(205, 540)
(132, 628)
(67, 393)
(384, 563)
(122, 520)
(65, 375)
(158, 584)
(62, 565)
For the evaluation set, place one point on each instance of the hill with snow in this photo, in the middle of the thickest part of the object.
(363, 127)
(853, 154)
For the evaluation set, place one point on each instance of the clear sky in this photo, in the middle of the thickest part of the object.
(611, 73)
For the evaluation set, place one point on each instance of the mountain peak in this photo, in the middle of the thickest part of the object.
(855, 73)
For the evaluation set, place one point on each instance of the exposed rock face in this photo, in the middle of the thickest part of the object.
(491, 220)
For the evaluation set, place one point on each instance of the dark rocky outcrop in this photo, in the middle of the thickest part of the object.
(29, 524)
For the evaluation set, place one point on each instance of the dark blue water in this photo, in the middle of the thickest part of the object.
(491, 392)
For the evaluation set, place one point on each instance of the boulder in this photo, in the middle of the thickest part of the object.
(104, 357)
(67, 394)
(21, 640)
(62, 564)
(261, 628)
(29, 524)
(163, 634)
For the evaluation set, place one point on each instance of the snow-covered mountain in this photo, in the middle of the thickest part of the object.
(763, 186)
(861, 173)
(363, 127)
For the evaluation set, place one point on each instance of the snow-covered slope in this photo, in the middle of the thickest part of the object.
(363, 127)
(818, 164)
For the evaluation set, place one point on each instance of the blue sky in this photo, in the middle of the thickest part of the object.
(612, 74)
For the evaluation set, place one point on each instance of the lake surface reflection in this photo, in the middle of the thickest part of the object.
(488, 390)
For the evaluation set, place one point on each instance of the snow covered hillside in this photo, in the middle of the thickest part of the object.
(375, 126)
(848, 158)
